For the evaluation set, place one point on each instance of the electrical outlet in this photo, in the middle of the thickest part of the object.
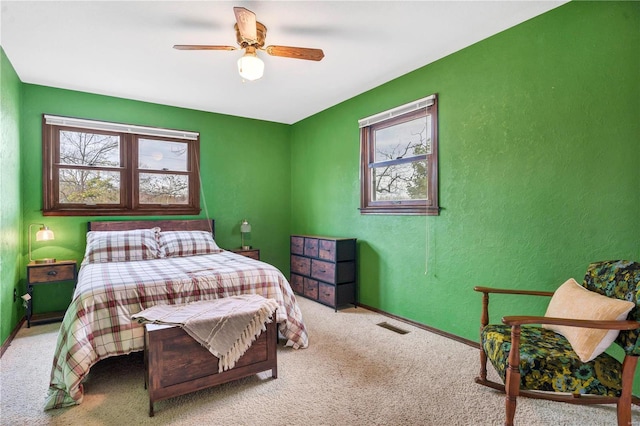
(15, 295)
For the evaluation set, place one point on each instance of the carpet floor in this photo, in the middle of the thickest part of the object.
(353, 373)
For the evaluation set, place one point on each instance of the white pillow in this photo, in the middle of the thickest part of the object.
(571, 300)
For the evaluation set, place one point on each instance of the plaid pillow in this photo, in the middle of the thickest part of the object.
(121, 246)
(186, 243)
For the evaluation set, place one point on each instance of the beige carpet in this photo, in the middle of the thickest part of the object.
(353, 373)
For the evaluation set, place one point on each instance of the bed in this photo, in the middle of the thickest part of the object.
(123, 273)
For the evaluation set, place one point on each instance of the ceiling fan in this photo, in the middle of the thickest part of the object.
(250, 35)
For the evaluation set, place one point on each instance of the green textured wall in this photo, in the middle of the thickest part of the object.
(10, 196)
(539, 129)
(236, 155)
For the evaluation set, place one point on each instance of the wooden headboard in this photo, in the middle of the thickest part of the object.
(165, 225)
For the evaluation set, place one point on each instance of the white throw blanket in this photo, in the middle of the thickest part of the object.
(226, 327)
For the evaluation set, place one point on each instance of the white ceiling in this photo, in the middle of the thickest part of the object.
(124, 48)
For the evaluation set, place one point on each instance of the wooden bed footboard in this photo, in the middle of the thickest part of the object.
(176, 364)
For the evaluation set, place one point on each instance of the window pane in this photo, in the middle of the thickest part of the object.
(400, 182)
(89, 149)
(162, 155)
(164, 189)
(403, 140)
(89, 187)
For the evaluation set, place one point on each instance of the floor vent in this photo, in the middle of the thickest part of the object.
(392, 328)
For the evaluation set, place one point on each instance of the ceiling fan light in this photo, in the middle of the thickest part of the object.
(250, 67)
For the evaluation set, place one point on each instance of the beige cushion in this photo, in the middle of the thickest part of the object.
(571, 300)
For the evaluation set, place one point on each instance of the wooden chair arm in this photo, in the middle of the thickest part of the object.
(606, 325)
(488, 290)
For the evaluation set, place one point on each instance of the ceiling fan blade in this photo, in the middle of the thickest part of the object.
(246, 24)
(201, 47)
(296, 52)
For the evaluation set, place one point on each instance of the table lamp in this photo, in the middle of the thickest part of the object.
(44, 234)
(245, 228)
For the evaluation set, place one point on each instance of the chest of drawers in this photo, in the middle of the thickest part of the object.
(324, 269)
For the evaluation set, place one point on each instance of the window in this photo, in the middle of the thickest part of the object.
(98, 168)
(399, 160)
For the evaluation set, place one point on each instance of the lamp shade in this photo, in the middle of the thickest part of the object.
(250, 66)
(245, 227)
(45, 234)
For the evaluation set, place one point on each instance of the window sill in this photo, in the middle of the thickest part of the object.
(408, 210)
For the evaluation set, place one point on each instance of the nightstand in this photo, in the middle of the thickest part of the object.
(48, 273)
(252, 253)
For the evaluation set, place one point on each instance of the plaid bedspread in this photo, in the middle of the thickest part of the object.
(98, 322)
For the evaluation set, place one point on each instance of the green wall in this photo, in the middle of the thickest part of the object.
(10, 197)
(236, 154)
(539, 168)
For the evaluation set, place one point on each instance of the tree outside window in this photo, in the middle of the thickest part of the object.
(155, 159)
(88, 171)
(399, 161)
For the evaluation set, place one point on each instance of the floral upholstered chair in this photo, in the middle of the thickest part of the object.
(563, 352)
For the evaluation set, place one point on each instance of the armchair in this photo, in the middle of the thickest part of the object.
(530, 357)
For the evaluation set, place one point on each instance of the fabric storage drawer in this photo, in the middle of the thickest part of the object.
(339, 250)
(334, 273)
(297, 283)
(324, 271)
(297, 245)
(311, 288)
(301, 265)
(327, 250)
(327, 294)
(311, 247)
